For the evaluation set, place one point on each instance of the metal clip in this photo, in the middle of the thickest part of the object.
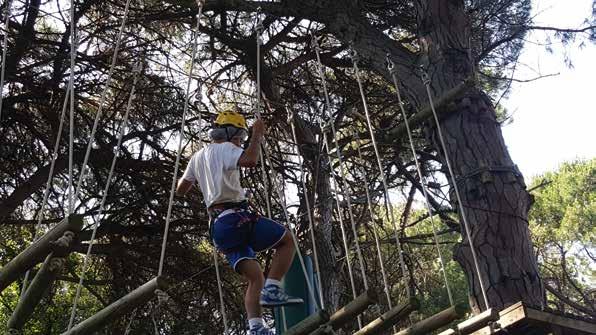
(138, 67)
(353, 54)
(315, 42)
(162, 297)
(290, 114)
(391, 65)
(259, 28)
(424, 75)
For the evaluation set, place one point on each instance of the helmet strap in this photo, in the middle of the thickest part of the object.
(231, 136)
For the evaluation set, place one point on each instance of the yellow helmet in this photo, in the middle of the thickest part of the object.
(231, 118)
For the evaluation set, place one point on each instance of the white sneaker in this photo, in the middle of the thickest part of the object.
(260, 330)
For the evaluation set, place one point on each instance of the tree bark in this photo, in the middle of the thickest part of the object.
(493, 191)
(324, 235)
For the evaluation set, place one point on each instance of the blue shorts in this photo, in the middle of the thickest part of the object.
(242, 234)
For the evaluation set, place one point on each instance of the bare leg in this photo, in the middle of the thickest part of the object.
(251, 270)
(282, 259)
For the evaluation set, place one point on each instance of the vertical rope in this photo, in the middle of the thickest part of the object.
(220, 291)
(308, 208)
(83, 172)
(48, 186)
(129, 324)
(375, 232)
(259, 40)
(222, 306)
(282, 198)
(388, 205)
(347, 194)
(73, 50)
(426, 80)
(393, 72)
(123, 127)
(342, 228)
(180, 141)
(319, 67)
(259, 29)
(4, 52)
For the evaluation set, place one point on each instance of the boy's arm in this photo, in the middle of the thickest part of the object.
(183, 187)
(188, 178)
(250, 156)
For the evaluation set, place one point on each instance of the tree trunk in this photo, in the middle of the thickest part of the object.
(324, 228)
(492, 189)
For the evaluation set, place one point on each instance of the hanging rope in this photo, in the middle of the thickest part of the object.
(375, 232)
(48, 186)
(427, 82)
(259, 29)
(345, 190)
(4, 51)
(129, 324)
(388, 205)
(200, 5)
(58, 136)
(308, 208)
(180, 141)
(123, 127)
(341, 226)
(73, 51)
(347, 194)
(281, 195)
(220, 291)
(83, 172)
(393, 71)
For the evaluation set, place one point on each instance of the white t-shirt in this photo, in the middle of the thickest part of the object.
(215, 167)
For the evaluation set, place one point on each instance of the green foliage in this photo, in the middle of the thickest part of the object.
(424, 251)
(562, 223)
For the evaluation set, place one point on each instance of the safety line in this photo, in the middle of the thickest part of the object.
(4, 52)
(259, 29)
(307, 202)
(427, 82)
(393, 71)
(123, 127)
(388, 205)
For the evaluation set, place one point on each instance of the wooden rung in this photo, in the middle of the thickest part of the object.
(309, 324)
(349, 311)
(478, 322)
(37, 251)
(390, 318)
(436, 321)
(473, 324)
(119, 308)
(39, 286)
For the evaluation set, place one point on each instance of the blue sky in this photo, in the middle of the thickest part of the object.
(554, 119)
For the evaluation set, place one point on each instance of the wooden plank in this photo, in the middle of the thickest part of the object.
(436, 321)
(478, 322)
(474, 324)
(520, 319)
(353, 309)
(38, 288)
(37, 251)
(562, 321)
(119, 308)
(309, 324)
(389, 318)
(348, 312)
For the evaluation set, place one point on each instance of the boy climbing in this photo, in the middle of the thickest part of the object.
(236, 231)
